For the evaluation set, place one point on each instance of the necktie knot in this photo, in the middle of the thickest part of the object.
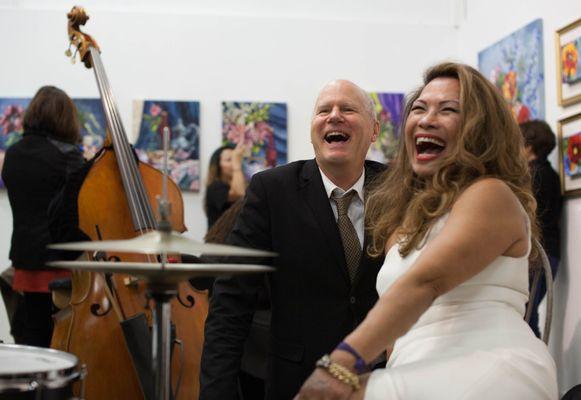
(343, 202)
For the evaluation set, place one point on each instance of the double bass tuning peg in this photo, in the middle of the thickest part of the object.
(72, 55)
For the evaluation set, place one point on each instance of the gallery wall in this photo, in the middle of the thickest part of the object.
(485, 23)
(210, 58)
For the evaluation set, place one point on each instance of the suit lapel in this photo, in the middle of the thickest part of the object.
(313, 193)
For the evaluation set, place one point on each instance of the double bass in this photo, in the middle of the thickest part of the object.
(115, 202)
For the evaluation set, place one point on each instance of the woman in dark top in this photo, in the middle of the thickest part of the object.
(539, 142)
(225, 182)
(35, 169)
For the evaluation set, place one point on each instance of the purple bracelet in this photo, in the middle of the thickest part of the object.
(360, 365)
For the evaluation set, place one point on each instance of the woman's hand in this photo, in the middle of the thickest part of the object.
(238, 153)
(322, 386)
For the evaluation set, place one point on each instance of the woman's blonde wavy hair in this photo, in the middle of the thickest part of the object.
(489, 144)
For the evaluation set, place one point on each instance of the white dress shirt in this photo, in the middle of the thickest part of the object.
(356, 211)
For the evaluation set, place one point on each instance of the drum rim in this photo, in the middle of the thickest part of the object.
(29, 381)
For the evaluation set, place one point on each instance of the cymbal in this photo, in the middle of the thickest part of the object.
(157, 242)
(153, 272)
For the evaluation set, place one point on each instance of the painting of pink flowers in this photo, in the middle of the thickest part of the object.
(183, 120)
(515, 66)
(262, 127)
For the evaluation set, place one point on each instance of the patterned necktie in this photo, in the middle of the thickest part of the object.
(351, 245)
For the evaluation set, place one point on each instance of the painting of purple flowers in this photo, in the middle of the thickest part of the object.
(89, 111)
(515, 66)
(389, 110)
(183, 120)
(262, 127)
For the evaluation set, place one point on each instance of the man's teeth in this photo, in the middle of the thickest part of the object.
(423, 139)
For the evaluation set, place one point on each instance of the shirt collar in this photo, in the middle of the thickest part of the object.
(330, 186)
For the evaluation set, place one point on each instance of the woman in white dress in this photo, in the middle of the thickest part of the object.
(455, 217)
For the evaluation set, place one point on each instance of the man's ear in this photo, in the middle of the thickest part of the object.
(375, 131)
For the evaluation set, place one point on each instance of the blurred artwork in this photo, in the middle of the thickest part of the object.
(93, 125)
(389, 110)
(11, 120)
(572, 155)
(91, 118)
(571, 64)
(515, 66)
(183, 120)
(262, 127)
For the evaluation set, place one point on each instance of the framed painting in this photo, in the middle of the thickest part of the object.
(569, 141)
(515, 65)
(389, 110)
(568, 46)
(262, 127)
(183, 120)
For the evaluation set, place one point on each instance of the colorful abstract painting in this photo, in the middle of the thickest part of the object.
(183, 120)
(515, 66)
(389, 109)
(262, 127)
(572, 155)
(570, 61)
(90, 113)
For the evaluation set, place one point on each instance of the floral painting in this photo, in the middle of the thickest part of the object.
(183, 120)
(572, 155)
(515, 66)
(569, 141)
(91, 118)
(262, 127)
(571, 70)
(389, 109)
(11, 120)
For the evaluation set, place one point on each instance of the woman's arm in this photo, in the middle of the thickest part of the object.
(238, 183)
(486, 221)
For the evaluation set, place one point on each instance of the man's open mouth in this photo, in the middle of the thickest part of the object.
(333, 137)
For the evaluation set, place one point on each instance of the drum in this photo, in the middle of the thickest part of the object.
(35, 373)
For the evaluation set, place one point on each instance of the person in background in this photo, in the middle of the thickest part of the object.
(310, 213)
(35, 169)
(225, 182)
(539, 142)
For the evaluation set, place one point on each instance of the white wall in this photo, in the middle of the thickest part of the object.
(201, 55)
(483, 24)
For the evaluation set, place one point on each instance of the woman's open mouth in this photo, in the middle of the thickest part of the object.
(428, 147)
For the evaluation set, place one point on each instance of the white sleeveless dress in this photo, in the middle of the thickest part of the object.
(471, 344)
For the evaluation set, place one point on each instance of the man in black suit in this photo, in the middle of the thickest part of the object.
(315, 299)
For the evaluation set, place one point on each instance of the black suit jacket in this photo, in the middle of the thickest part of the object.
(314, 304)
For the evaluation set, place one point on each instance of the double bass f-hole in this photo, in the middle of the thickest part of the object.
(190, 301)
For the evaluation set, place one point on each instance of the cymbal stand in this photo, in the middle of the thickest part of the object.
(162, 293)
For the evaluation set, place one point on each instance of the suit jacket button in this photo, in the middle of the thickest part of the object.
(352, 299)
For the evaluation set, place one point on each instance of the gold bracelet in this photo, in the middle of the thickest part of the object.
(339, 372)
